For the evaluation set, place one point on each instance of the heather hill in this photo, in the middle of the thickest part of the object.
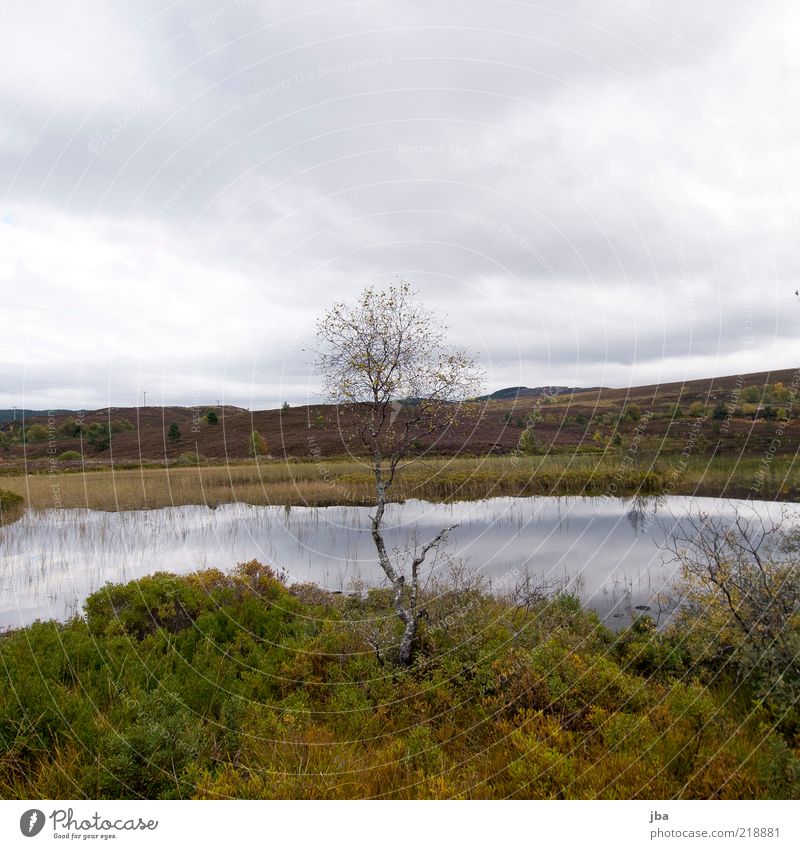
(732, 415)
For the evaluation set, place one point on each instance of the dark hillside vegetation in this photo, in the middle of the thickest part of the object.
(738, 415)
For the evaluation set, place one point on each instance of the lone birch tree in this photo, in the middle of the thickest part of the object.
(385, 357)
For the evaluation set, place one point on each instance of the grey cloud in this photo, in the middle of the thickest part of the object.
(616, 176)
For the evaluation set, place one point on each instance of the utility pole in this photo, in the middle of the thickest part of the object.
(144, 394)
(15, 413)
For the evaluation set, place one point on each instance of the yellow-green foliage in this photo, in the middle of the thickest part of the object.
(258, 445)
(235, 686)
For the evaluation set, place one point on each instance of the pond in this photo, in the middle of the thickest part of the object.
(610, 550)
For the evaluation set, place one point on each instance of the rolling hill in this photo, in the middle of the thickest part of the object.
(575, 418)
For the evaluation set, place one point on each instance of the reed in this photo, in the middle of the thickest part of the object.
(349, 481)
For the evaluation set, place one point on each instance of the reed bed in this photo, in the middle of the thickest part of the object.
(329, 482)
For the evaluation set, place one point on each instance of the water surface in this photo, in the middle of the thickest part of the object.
(611, 550)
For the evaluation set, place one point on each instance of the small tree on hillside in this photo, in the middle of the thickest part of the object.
(174, 432)
(211, 417)
(528, 444)
(258, 445)
(385, 357)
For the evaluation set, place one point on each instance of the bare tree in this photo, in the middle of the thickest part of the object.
(386, 358)
(739, 595)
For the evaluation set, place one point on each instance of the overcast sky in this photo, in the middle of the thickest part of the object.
(588, 192)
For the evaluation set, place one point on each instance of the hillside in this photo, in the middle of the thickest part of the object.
(13, 414)
(583, 419)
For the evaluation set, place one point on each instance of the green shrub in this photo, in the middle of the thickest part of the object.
(720, 411)
(258, 445)
(632, 413)
(214, 685)
(69, 455)
(739, 615)
(35, 433)
(10, 499)
(528, 444)
(697, 409)
(190, 458)
(10, 505)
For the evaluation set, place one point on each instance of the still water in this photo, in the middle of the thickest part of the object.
(611, 550)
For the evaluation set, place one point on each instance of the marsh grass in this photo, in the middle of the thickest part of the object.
(335, 481)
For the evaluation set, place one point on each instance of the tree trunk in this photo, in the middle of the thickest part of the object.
(407, 643)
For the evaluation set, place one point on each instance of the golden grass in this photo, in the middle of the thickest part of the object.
(437, 479)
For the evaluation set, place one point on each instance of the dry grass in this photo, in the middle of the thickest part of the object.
(133, 489)
(438, 479)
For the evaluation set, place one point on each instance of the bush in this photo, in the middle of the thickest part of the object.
(164, 601)
(190, 458)
(174, 432)
(528, 444)
(697, 410)
(70, 428)
(70, 455)
(739, 613)
(229, 685)
(35, 433)
(10, 500)
(211, 417)
(720, 411)
(99, 435)
(258, 445)
(632, 413)
(768, 412)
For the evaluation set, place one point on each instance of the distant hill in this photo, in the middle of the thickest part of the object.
(10, 415)
(534, 392)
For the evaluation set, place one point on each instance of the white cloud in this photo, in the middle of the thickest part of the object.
(602, 192)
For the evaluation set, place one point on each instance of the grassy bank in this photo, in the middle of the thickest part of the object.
(436, 479)
(214, 686)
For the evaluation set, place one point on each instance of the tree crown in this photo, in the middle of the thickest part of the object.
(388, 350)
